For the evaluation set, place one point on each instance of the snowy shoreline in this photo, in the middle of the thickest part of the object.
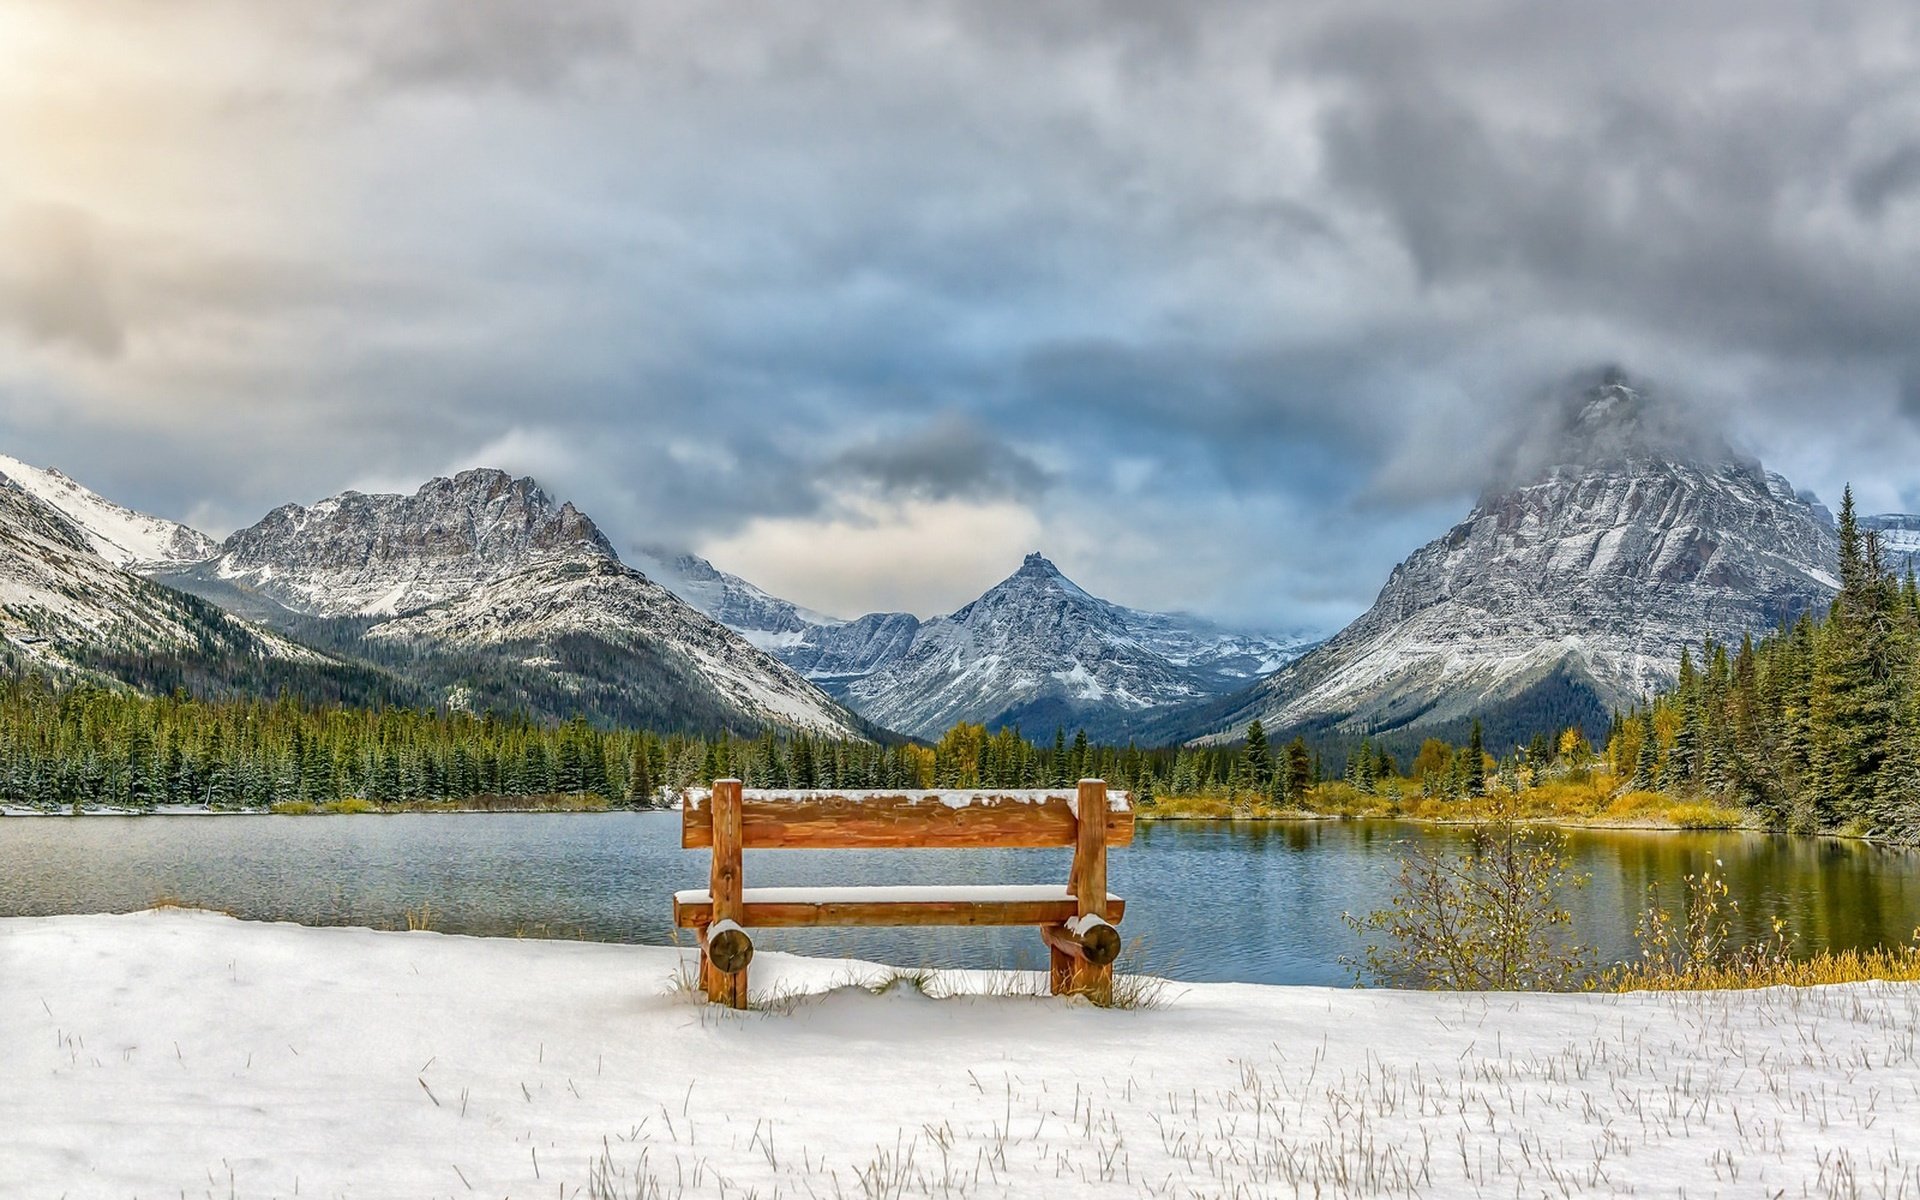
(171, 1050)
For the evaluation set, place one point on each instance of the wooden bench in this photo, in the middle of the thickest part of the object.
(1075, 920)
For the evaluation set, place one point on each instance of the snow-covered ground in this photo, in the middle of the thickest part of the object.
(180, 1053)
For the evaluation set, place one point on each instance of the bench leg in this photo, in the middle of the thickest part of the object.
(718, 986)
(730, 990)
(1093, 980)
(1060, 977)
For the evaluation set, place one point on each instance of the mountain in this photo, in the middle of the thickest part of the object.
(834, 654)
(484, 590)
(64, 608)
(767, 621)
(1621, 538)
(1899, 535)
(359, 555)
(1038, 651)
(620, 644)
(118, 534)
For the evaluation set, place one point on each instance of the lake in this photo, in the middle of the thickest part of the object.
(1256, 902)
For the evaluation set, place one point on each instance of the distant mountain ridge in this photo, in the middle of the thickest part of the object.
(1568, 591)
(1620, 535)
(765, 620)
(1035, 649)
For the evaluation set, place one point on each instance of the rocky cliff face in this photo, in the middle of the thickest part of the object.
(378, 555)
(1624, 541)
(833, 654)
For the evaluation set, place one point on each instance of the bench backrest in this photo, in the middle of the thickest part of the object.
(976, 819)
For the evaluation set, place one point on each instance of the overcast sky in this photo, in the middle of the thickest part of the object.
(1225, 307)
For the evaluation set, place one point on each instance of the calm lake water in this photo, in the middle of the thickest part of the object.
(1254, 902)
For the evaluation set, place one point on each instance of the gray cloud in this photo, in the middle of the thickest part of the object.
(1893, 176)
(950, 458)
(494, 43)
(1284, 278)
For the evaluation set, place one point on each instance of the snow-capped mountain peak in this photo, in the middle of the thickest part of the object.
(63, 604)
(1568, 591)
(357, 554)
(116, 533)
(491, 568)
(1036, 649)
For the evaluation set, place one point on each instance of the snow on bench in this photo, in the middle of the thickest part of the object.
(1117, 801)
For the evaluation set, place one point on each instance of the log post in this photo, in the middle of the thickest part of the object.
(1089, 939)
(1089, 978)
(729, 948)
(725, 886)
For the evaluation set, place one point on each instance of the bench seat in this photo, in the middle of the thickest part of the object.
(936, 904)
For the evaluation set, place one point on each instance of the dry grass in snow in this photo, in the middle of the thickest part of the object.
(182, 1053)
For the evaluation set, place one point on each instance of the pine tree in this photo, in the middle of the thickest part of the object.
(1259, 761)
(1475, 779)
(1853, 559)
(140, 788)
(1300, 771)
(1361, 767)
(804, 772)
(1682, 774)
(639, 777)
(1646, 766)
(1539, 754)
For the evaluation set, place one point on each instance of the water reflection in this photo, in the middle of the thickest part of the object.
(1252, 901)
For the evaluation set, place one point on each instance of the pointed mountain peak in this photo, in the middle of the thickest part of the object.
(1608, 418)
(1037, 571)
(1036, 581)
(491, 483)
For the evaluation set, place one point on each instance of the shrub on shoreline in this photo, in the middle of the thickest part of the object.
(1489, 917)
